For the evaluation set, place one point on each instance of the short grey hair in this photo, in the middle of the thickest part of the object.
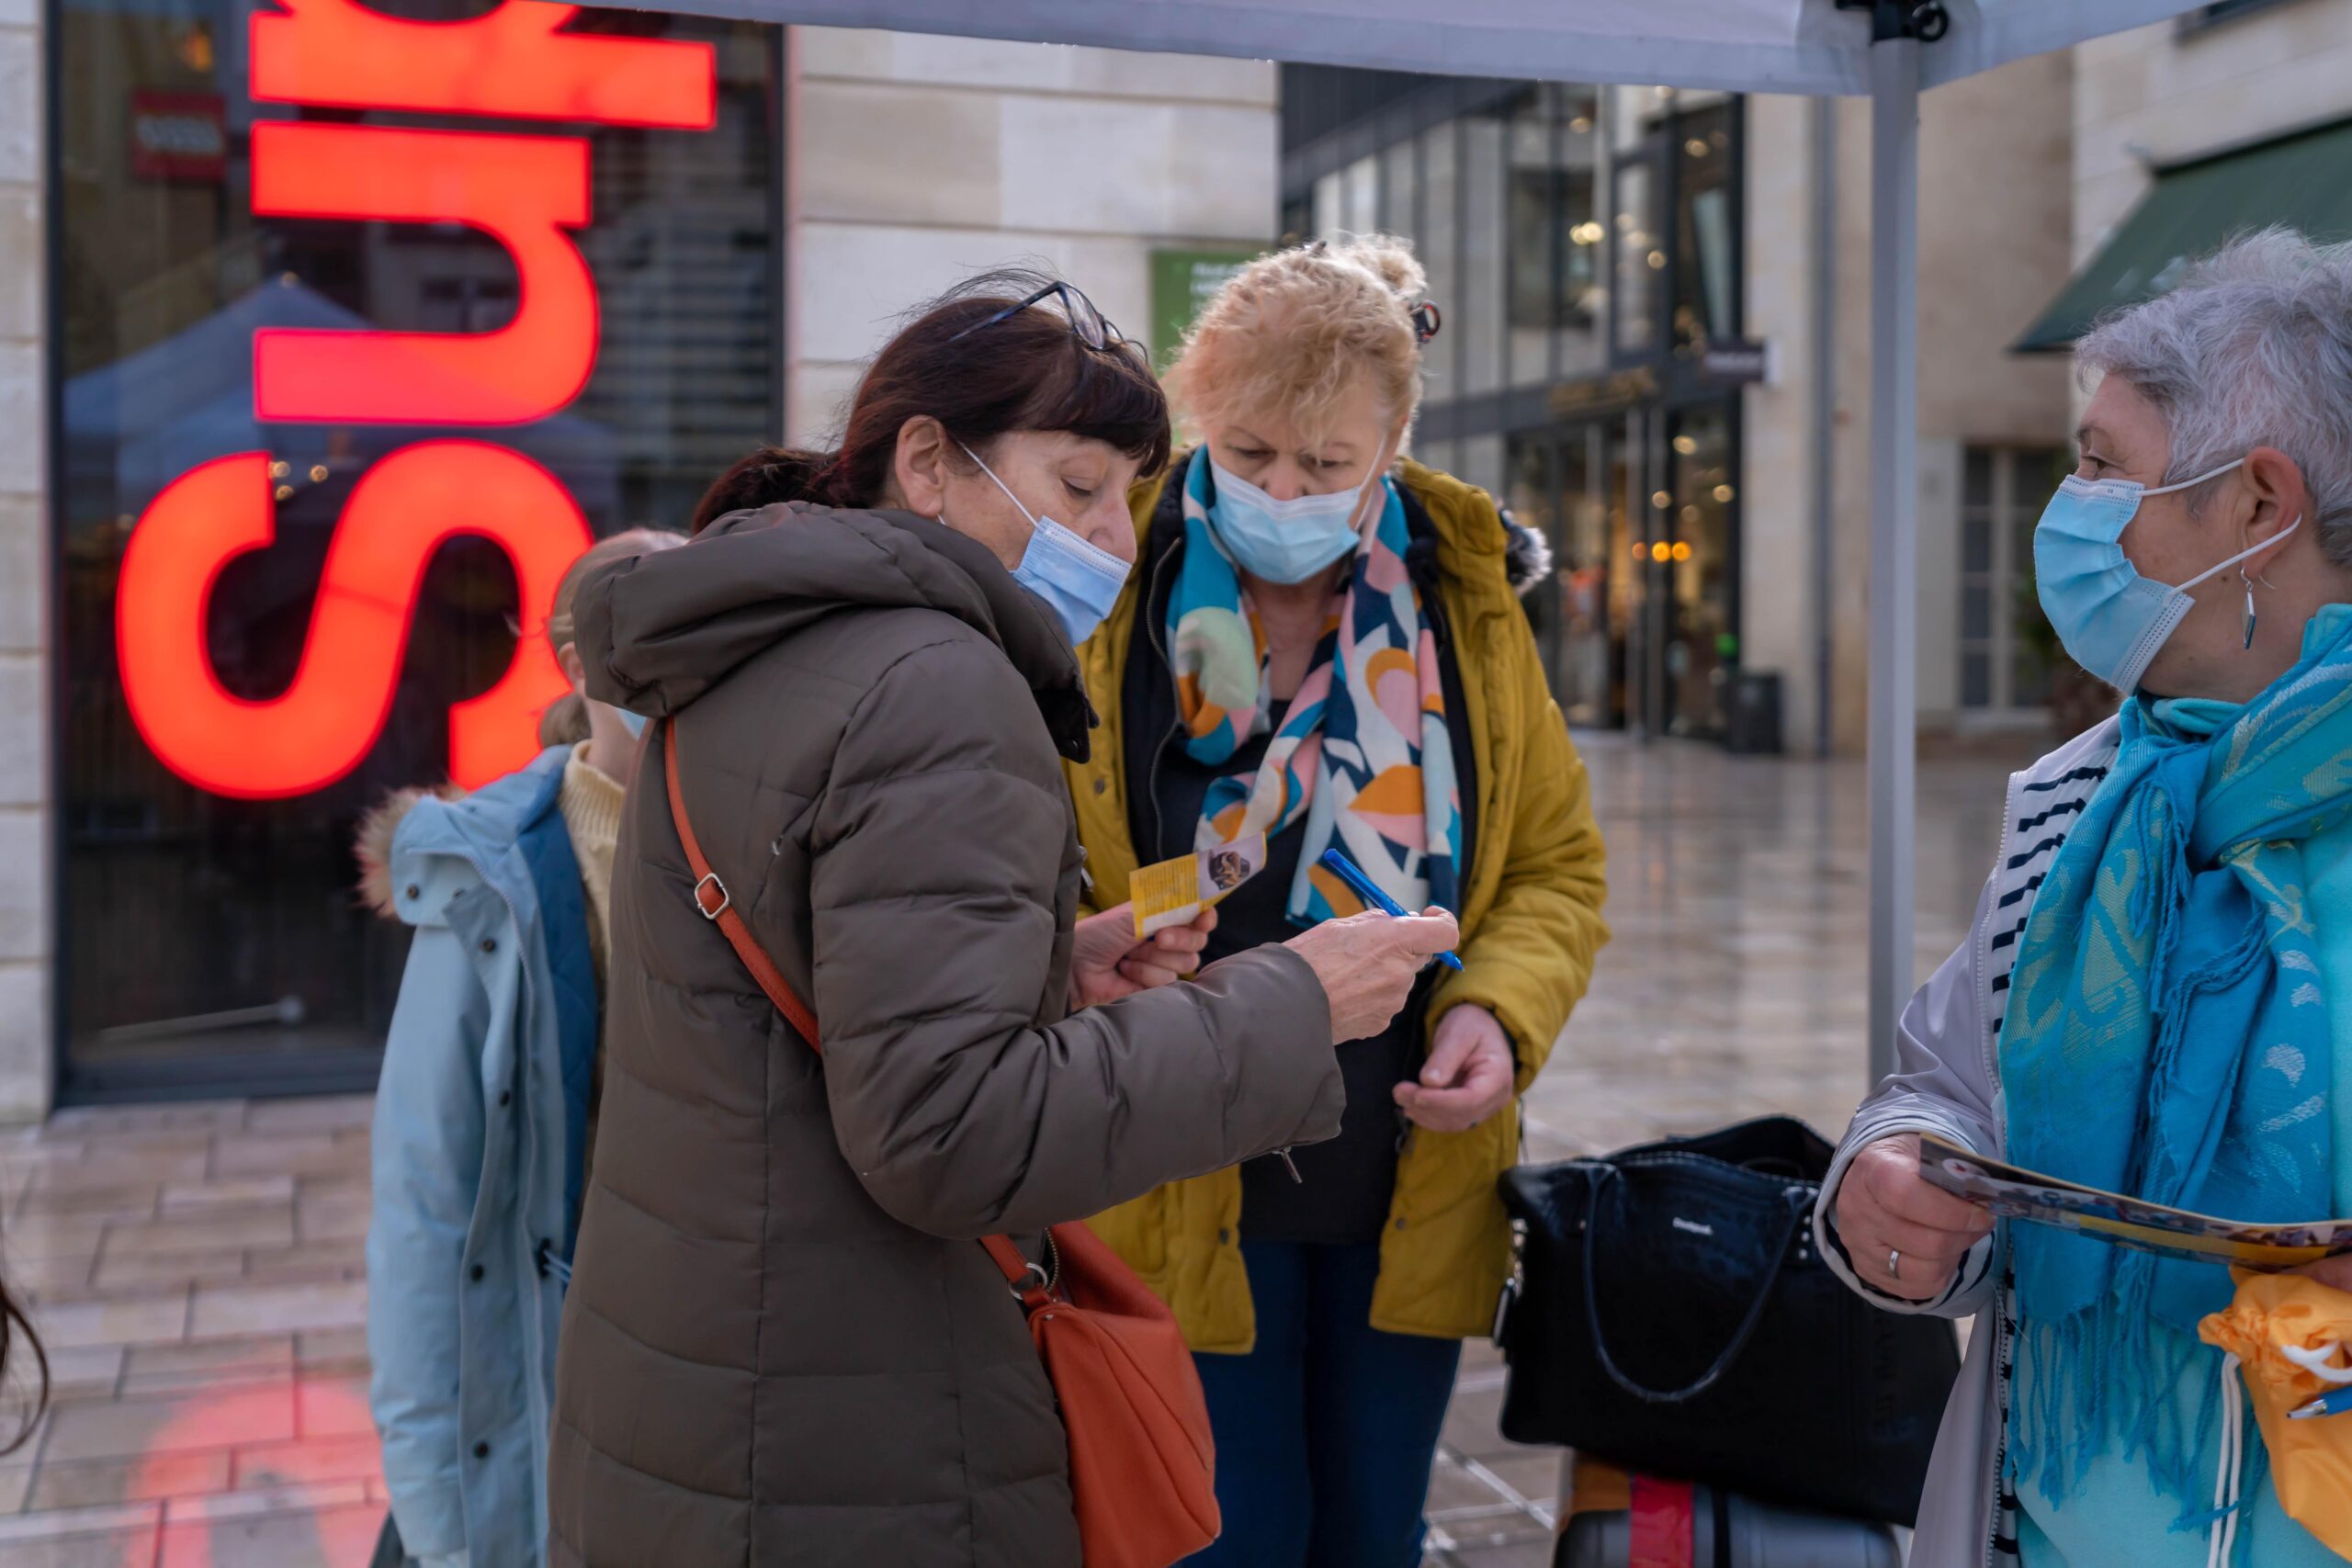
(2252, 347)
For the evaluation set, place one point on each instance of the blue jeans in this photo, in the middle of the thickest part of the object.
(1325, 1432)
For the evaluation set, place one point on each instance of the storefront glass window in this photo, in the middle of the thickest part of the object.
(1641, 258)
(282, 431)
(1362, 215)
(1702, 646)
(1581, 218)
(1705, 281)
(1440, 237)
(1330, 205)
(1554, 237)
(1485, 293)
(1400, 192)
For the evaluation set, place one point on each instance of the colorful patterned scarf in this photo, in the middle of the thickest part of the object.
(2169, 1038)
(1363, 753)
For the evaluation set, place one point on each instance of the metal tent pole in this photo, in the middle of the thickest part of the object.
(1895, 503)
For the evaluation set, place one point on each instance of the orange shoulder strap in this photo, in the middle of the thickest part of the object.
(718, 907)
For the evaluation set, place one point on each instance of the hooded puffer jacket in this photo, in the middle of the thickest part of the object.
(782, 1344)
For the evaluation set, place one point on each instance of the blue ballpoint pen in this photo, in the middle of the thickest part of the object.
(2333, 1402)
(1346, 871)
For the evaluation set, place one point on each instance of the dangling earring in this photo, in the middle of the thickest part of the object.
(2249, 608)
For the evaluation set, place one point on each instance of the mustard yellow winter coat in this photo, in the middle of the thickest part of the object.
(1530, 920)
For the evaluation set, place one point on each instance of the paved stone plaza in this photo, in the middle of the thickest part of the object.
(198, 1269)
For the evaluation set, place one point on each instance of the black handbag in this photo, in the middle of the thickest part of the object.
(1670, 1314)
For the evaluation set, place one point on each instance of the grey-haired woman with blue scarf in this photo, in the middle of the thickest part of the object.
(2155, 997)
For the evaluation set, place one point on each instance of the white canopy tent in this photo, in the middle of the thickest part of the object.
(1887, 48)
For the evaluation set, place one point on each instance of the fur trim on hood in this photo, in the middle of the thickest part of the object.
(372, 846)
(1528, 555)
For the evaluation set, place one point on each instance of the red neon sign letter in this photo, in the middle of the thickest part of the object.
(524, 190)
(401, 512)
(514, 61)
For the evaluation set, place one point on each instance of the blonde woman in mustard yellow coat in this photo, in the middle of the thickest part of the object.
(1321, 645)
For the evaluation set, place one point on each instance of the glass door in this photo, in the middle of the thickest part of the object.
(1700, 576)
(1560, 484)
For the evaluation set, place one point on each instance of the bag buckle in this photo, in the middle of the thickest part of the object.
(702, 889)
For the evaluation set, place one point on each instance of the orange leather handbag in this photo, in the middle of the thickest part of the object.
(1142, 1465)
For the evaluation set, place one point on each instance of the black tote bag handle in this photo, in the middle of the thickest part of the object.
(1605, 1173)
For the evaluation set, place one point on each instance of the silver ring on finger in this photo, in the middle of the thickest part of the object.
(1894, 1263)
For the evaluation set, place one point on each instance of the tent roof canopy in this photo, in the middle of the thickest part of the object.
(1748, 46)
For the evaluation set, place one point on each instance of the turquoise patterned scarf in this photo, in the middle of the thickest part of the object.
(1363, 753)
(2169, 1038)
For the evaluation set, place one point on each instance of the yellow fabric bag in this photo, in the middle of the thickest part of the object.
(2291, 1338)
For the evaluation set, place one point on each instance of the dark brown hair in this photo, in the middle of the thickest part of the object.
(17, 1329)
(1028, 371)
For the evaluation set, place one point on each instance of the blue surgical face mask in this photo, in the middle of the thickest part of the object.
(1283, 541)
(632, 722)
(2111, 619)
(1078, 581)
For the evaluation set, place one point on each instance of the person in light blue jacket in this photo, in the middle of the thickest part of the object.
(485, 1118)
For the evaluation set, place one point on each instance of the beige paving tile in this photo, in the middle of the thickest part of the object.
(320, 1113)
(102, 1519)
(1516, 1554)
(266, 1500)
(224, 1310)
(334, 1407)
(125, 1320)
(209, 1418)
(332, 1352)
(292, 1154)
(228, 1229)
(1471, 1423)
(134, 1548)
(196, 1116)
(332, 1536)
(310, 1261)
(84, 1371)
(103, 1170)
(1453, 1487)
(228, 1191)
(55, 1278)
(45, 1233)
(161, 1369)
(161, 1270)
(89, 1481)
(134, 1201)
(331, 1212)
(308, 1460)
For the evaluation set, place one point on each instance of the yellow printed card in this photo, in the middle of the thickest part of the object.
(1174, 892)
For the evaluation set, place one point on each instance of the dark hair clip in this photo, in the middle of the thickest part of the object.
(1426, 320)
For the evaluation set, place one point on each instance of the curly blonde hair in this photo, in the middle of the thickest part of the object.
(1293, 330)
